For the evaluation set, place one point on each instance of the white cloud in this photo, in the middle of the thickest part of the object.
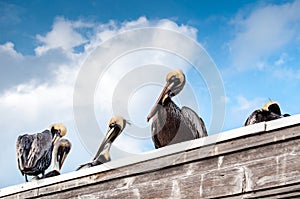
(17, 68)
(103, 32)
(265, 31)
(35, 104)
(8, 50)
(63, 35)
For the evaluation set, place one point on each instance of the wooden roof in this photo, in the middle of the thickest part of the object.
(260, 160)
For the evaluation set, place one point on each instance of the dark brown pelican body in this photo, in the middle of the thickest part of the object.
(32, 162)
(174, 125)
(34, 152)
(116, 126)
(270, 111)
(170, 123)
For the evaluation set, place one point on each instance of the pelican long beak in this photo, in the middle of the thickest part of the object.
(62, 159)
(110, 135)
(160, 100)
(56, 137)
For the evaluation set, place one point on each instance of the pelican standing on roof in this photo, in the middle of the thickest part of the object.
(60, 152)
(270, 111)
(171, 124)
(115, 127)
(34, 152)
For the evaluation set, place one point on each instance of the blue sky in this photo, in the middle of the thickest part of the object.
(255, 46)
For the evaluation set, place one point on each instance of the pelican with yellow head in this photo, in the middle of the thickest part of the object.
(115, 126)
(270, 111)
(34, 151)
(171, 124)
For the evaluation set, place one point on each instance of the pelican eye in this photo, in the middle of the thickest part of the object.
(173, 79)
(113, 124)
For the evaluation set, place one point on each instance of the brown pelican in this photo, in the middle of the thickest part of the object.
(270, 111)
(115, 127)
(34, 152)
(60, 152)
(170, 123)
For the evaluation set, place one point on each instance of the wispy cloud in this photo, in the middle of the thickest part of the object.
(282, 59)
(287, 73)
(286, 67)
(244, 104)
(10, 13)
(240, 107)
(262, 33)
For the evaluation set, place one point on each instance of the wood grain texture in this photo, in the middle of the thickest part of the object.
(263, 165)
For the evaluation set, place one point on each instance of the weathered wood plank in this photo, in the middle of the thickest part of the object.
(208, 178)
(254, 165)
(173, 149)
(222, 182)
(48, 189)
(198, 154)
(286, 191)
